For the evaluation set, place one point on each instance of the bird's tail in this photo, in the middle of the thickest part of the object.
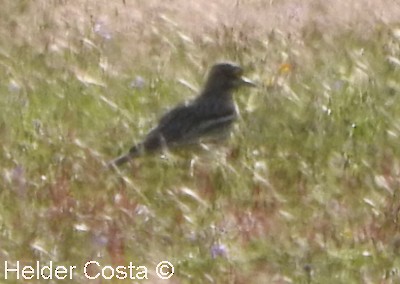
(133, 153)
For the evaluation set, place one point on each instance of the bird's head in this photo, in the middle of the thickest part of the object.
(226, 77)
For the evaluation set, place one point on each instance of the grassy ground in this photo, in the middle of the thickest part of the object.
(306, 191)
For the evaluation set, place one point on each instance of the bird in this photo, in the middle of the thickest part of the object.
(211, 114)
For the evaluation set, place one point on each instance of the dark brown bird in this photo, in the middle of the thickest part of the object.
(211, 114)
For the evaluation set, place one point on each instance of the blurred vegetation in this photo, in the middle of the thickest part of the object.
(306, 191)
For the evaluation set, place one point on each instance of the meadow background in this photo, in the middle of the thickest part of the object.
(306, 191)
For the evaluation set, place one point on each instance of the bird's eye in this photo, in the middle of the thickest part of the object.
(237, 72)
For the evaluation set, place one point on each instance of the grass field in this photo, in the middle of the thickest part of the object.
(307, 190)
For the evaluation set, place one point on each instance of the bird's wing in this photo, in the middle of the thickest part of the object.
(186, 123)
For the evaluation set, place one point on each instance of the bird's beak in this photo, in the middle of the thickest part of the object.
(247, 82)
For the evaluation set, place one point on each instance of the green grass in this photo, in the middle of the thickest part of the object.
(306, 191)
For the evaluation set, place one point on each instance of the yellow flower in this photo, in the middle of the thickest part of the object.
(285, 68)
